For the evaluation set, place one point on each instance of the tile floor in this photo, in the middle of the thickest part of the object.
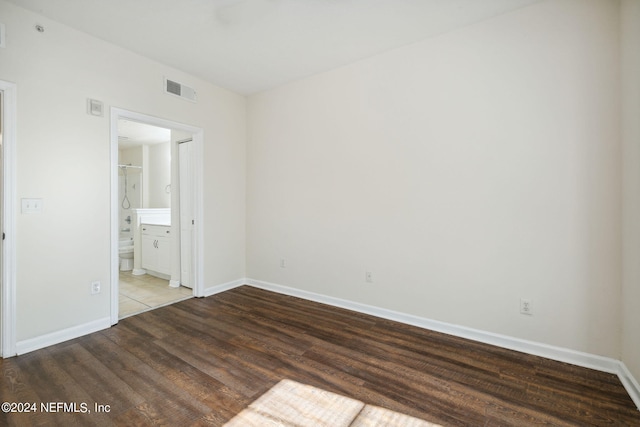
(146, 292)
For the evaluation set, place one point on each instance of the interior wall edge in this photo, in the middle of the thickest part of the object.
(217, 289)
(629, 382)
(630, 135)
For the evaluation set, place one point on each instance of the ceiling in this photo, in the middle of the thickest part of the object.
(133, 134)
(252, 45)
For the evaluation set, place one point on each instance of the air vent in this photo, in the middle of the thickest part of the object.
(178, 89)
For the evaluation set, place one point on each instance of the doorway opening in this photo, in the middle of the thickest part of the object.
(156, 202)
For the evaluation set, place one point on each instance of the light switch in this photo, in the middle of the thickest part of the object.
(31, 206)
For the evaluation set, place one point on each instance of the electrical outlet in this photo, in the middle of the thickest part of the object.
(283, 263)
(95, 288)
(526, 306)
(368, 277)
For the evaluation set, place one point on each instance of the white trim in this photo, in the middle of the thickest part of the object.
(57, 337)
(197, 152)
(630, 383)
(224, 287)
(114, 220)
(578, 358)
(8, 331)
(198, 232)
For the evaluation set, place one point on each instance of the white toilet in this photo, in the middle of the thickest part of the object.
(125, 252)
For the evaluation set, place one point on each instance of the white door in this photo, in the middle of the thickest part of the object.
(1, 208)
(186, 213)
(7, 219)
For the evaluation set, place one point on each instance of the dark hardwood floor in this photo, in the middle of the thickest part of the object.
(199, 362)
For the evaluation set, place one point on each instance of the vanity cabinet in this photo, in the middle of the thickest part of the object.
(156, 248)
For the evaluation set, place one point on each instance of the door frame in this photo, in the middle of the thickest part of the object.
(197, 176)
(8, 295)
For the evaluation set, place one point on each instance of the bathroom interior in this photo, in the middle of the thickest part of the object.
(149, 255)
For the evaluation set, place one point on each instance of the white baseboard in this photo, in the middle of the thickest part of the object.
(629, 383)
(592, 361)
(224, 287)
(561, 354)
(57, 337)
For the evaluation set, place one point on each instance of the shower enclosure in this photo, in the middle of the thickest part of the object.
(129, 196)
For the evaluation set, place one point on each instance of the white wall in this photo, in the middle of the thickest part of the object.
(131, 156)
(159, 175)
(63, 158)
(465, 172)
(630, 37)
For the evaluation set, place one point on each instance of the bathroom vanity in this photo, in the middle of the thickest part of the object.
(156, 248)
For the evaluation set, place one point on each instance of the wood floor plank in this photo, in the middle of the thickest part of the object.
(143, 374)
(17, 387)
(201, 361)
(56, 385)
